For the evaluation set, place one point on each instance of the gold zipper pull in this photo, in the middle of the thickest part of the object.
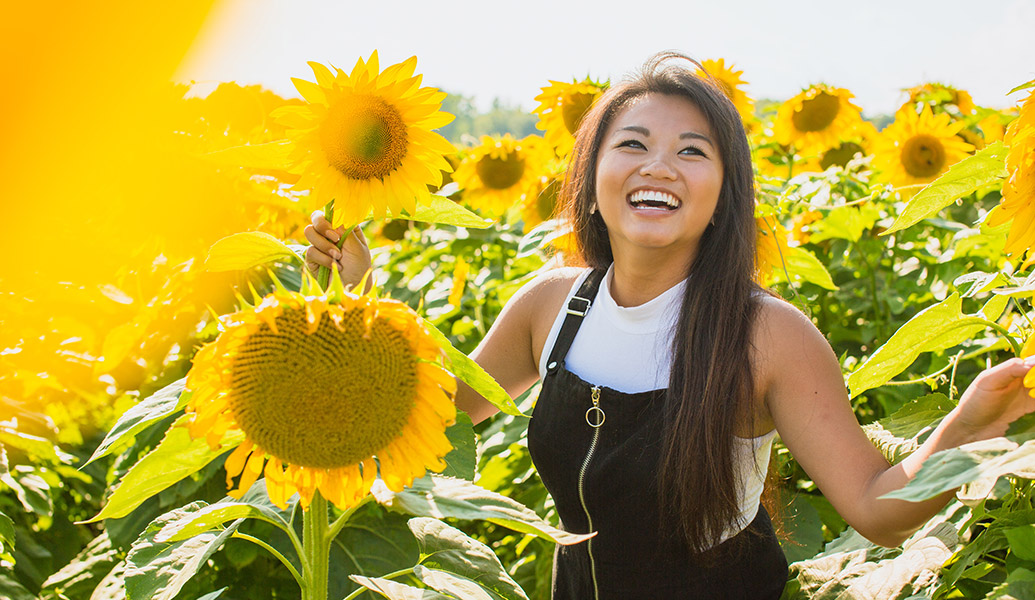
(594, 414)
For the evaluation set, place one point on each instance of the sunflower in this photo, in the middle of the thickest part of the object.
(917, 148)
(320, 386)
(561, 108)
(731, 83)
(365, 139)
(941, 98)
(817, 118)
(1018, 203)
(497, 174)
(771, 247)
(541, 204)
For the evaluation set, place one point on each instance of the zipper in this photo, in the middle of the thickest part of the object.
(595, 418)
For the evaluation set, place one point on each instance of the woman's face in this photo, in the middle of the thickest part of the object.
(659, 175)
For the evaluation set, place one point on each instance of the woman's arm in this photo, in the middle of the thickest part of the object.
(805, 395)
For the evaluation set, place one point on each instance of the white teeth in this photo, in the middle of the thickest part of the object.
(654, 196)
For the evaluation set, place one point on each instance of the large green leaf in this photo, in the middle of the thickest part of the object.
(899, 434)
(1019, 585)
(463, 458)
(935, 328)
(246, 250)
(176, 457)
(398, 591)
(10, 589)
(1022, 541)
(152, 409)
(802, 265)
(449, 583)
(444, 211)
(858, 575)
(83, 574)
(447, 548)
(214, 515)
(442, 497)
(375, 541)
(963, 178)
(474, 375)
(984, 460)
(157, 571)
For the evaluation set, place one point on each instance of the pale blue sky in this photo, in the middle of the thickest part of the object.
(509, 50)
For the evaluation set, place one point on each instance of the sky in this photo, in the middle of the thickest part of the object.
(488, 49)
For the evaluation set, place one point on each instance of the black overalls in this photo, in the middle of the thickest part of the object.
(597, 452)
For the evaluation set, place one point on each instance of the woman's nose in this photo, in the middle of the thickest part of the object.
(657, 167)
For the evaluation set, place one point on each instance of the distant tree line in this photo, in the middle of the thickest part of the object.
(500, 119)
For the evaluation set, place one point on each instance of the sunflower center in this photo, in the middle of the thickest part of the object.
(839, 156)
(501, 173)
(923, 156)
(327, 399)
(816, 113)
(364, 137)
(574, 108)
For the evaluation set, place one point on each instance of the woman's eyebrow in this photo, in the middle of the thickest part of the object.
(637, 129)
(696, 136)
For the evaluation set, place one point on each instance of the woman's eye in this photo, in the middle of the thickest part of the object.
(694, 150)
(631, 144)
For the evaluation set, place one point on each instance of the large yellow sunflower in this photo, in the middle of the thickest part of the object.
(561, 108)
(731, 83)
(1018, 203)
(497, 174)
(817, 118)
(320, 387)
(365, 139)
(917, 148)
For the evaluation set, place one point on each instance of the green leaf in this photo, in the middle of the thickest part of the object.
(804, 266)
(447, 548)
(962, 178)
(454, 585)
(176, 457)
(1019, 585)
(442, 497)
(212, 595)
(971, 284)
(373, 542)
(462, 460)
(935, 328)
(157, 571)
(899, 434)
(1022, 541)
(6, 538)
(803, 528)
(246, 250)
(10, 589)
(444, 211)
(150, 410)
(397, 591)
(214, 515)
(857, 574)
(274, 155)
(950, 469)
(1023, 86)
(82, 575)
(474, 375)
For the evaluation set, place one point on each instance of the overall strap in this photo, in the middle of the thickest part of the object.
(578, 306)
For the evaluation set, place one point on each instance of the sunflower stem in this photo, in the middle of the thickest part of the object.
(317, 548)
(323, 274)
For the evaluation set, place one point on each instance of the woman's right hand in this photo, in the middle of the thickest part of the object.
(353, 258)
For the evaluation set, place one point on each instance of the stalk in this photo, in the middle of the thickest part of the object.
(323, 274)
(316, 547)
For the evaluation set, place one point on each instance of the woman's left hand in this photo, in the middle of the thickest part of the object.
(996, 398)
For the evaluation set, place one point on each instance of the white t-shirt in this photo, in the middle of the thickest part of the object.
(629, 349)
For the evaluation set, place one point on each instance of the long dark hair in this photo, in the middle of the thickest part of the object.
(710, 393)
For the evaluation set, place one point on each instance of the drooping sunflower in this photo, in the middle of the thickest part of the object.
(541, 204)
(731, 83)
(1018, 203)
(561, 108)
(941, 98)
(497, 174)
(917, 148)
(320, 386)
(364, 139)
(817, 119)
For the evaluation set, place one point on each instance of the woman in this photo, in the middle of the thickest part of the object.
(667, 371)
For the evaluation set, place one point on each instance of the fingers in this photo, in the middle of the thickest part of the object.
(323, 227)
(314, 259)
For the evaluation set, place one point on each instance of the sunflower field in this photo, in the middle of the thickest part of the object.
(187, 412)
